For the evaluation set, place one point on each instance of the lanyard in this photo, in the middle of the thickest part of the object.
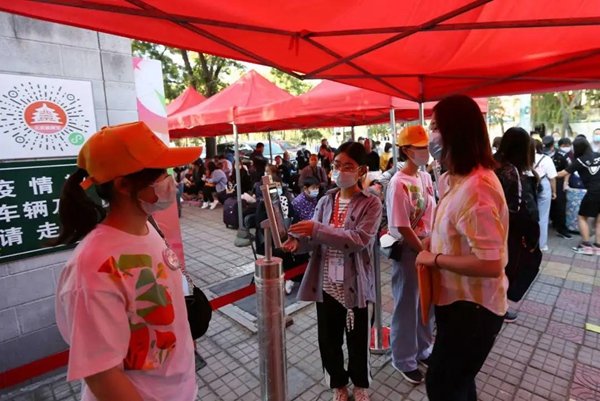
(337, 216)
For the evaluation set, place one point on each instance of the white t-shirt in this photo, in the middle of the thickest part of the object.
(118, 303)
(405, 199)
(544, 166)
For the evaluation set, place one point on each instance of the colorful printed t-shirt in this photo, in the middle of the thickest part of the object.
(119, 304)
(405, 200)
(472, 218)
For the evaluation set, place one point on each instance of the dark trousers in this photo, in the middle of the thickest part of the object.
(331, 322)
(209, 193)
(465, 335)
(558, 208)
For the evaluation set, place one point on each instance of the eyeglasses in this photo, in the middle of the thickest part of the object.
(346, 167)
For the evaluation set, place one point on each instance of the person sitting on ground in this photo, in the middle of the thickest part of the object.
(225, 165)
(216, 183)
(192, 180)
(312, 170)
(372, 156)
(587, 165)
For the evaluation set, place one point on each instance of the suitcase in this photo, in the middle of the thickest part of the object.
(574, 198)
(230, 212)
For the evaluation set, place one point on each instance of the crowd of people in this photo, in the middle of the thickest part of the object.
(446, 205)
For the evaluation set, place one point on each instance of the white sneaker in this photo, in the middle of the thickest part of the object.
(340, 394)
(361, 394)
(204, 205)
(544, 249)
(214, 204)
(289, 286)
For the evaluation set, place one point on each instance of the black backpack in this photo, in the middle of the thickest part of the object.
(524, 254)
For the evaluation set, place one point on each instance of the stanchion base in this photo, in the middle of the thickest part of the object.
(385, 341)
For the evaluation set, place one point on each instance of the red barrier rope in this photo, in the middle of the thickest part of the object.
(26, 372)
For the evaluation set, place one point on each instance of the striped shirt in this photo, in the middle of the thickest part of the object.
(336, 290)
(472, 218)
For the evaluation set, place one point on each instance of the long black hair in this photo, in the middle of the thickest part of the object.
(79, 214)
(466, 144)
(581, 147)
(516, 149)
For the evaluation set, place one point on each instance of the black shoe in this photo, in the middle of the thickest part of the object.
(564, 234)
(510, 316)
(425, 362)
(413, 377)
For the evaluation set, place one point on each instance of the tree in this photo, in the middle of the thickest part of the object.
(291, 84)
(558, 108)
(496, 112)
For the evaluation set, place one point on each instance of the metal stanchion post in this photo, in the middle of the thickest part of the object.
(380, 335)
(268, 276)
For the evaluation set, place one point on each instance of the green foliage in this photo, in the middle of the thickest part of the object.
(496, 112)
(172, 71)
(378, 130)
(289, 83)
(312, 134)
(182, 68)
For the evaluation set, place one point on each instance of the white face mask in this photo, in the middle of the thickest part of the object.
(166, 192)
(344, 179)
(565, 149)
(420, 157)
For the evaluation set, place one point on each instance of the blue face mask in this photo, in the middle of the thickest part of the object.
(313, 193)
(435, 145)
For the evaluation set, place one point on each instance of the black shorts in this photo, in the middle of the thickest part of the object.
(590, 205)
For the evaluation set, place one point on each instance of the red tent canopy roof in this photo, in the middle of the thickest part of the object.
(188, 98)
(215, 115)
(332, 104)
(416, 49)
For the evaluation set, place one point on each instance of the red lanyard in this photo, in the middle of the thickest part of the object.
(337, 216)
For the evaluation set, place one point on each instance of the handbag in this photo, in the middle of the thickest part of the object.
(391, 246)
(199, 311)
(524, 254)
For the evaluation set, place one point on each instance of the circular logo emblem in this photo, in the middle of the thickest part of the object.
(45, 117)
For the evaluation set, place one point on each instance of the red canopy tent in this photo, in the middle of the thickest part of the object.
(188, 98)
(332, 104)
(214, 116)
(417, 49)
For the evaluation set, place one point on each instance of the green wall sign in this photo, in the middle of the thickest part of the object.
(29, 200)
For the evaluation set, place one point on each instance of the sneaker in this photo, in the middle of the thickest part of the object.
(564, 234)
(289, 286)
(340, 394)
(214, 204)
(425, 362)
(413, 377)
(361, 394)
(596, 248)
(584, 249)
(204, 205)
(544, 249)
(510, 316)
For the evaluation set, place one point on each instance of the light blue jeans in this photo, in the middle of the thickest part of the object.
(411, 340)
(544, 201)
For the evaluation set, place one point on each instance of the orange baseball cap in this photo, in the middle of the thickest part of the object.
(128, 148)
(414, 135)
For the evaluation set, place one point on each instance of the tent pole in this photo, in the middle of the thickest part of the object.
(270, 149)
(393, 134)
(352, 133)
(238, 181)
(422, 114)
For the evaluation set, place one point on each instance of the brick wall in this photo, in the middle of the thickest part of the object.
(31, 47)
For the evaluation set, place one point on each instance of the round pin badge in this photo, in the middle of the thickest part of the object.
(171, 259)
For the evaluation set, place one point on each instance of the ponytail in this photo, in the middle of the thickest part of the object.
(78, 213)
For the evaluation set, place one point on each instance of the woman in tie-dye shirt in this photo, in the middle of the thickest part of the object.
(468, 251)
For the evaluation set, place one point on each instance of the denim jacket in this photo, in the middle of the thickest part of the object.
(356, 240)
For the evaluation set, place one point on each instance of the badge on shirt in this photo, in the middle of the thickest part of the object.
(336, 270)
(171, 259)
